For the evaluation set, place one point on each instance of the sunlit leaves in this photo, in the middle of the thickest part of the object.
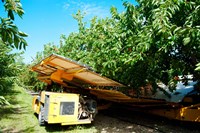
(10, 37)
(8, 68)
(9, 32)
(148, 43)
(186, 40)
(3, 101)
(198, 67)
(155, 34)
(13, 6)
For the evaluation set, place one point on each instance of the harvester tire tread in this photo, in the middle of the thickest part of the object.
(41, 116)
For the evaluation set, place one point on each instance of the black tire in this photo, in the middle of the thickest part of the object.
(41, 116)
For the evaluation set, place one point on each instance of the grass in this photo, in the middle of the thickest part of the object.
(19, 117)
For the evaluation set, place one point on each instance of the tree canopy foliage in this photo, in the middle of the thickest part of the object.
(153, 41)
(9, 32)
(9, 69)
(10, 38)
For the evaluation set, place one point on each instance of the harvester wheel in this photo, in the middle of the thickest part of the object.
(41, 116)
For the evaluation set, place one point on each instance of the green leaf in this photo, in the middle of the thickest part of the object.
(3, 101)
(22, 34)
(16, 39)
(176, 30)
(186, 40)
(198, 67)
(10, 14)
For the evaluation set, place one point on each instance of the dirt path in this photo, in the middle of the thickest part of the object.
(106, 124)
(140, 122)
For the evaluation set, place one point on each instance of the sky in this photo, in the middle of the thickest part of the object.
(45, 20)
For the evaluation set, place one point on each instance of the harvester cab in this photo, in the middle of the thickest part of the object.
(78, 102)
(74, 104)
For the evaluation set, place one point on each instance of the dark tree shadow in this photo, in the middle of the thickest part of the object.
(60, 128)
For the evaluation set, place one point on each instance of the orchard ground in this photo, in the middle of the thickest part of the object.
(19, 117)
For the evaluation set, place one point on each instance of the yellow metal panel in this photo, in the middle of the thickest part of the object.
(56, 76)
(116, 96)
(54, 108)
(96, 79)
(36, 105)
(181, 113)
(63, 63)
(62, 68)
(190, 115)
(42, 96)
(87, 121)
(172, 113)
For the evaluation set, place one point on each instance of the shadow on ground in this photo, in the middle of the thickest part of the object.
(154, 122)
(59, 128)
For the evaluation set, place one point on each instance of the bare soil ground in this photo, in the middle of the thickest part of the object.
(107, 124)
(122, 121)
